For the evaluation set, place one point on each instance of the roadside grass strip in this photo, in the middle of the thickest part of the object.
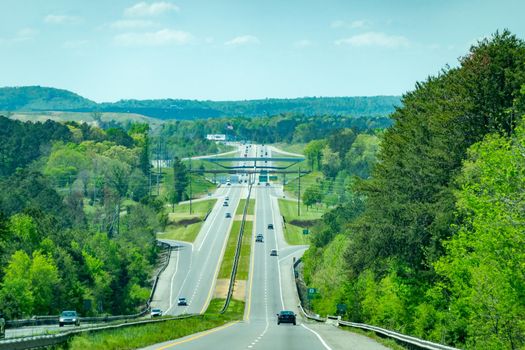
(251, 207)
(182, 226)
(181, 233)
(294, 235)
(294, 225)
(139, 336)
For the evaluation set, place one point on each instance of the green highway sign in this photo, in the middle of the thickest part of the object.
(312, 292)
(305, 231)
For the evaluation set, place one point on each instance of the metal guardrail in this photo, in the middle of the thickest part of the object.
(237, 253)
(414, 343)
(42, 341)
(405, 339)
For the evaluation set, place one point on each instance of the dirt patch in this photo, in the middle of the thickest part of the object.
(221, 288)
(222, 285)
(239, 290)
(186, 222)
(239, 217)
(303, 223)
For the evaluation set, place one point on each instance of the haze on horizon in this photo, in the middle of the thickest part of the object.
(235, 50)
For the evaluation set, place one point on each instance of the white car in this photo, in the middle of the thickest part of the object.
(156, 312)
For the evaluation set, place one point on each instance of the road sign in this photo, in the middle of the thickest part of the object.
(312, 292)
(341, 309)
(305, 231)
(263, 178)
(273, 178)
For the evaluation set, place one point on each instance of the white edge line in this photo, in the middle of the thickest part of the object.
(318, 336)
(172, 279)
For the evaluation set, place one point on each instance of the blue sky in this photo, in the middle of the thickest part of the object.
(233, 49)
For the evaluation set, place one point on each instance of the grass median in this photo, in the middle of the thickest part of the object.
(133, 337)
(229, 254)
(251, 207)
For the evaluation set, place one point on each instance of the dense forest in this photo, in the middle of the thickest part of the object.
(36, 98)
(77, 224)
(432, 244)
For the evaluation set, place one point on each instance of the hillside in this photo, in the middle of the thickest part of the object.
(36, 98)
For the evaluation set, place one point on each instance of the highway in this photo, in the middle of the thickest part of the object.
(271, 286)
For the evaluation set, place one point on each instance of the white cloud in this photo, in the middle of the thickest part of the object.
(132, 24)
(242, 40)
(75, 44)
(144, 9)
(61, 19)
(24, 34)
(161, 37)
(302, 43)
(361, 23)
(375, 39)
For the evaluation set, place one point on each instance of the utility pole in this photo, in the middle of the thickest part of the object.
(158, 167)
(299, 194)
(190, 186)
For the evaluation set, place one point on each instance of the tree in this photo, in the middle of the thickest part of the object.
(312, 195)
(44, 281)
(313, 151)
(16, 295)
(331, 162)
(180, 182)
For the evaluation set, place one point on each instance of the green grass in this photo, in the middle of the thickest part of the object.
(187, 233)
(229, 253)
(306, 181)
(293, 148)
(244, 261)
(134, 337)
(199, 209)
(251, 207)
(181, 233)
(288, 209)
(294, 235)
(200, 186)
(389, 343)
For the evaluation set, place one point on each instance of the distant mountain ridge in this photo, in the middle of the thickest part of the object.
(37, 98)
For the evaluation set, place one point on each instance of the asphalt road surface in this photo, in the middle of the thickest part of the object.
(271, 286)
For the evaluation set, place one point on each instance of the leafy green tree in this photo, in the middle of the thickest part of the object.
(16, 295)
(44, 279)
(312, 195)
(331, 162)
(180, 180)
(314, 151)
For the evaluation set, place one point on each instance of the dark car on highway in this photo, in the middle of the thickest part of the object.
(228, 215)
(273, 252)
(225, 204)
(286, 317)
(270, 226)
(259, 238)
(68, 317)
(182, 302)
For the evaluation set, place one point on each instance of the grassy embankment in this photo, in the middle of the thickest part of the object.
(184, 226)
(293, 230)
(229, 253)
(134, 337)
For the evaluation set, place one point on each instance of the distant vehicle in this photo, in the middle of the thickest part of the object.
(227, 198)
(156, 312)
(273, 252)
(182, 302)
(259, 238)
(225, 204)
(228, 215)
(267, 184)
(68, 317)
(228, 183)
(265, 153)
(286, 317)
(270, 226)
(258, 183)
